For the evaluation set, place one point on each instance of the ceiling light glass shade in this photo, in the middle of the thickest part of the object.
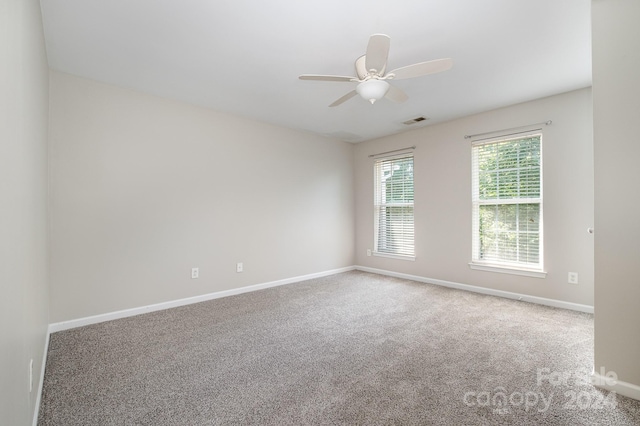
(372, 90)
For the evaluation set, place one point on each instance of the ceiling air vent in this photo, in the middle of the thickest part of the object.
(415, 120)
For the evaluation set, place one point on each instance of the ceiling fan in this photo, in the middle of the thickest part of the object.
(371, 77)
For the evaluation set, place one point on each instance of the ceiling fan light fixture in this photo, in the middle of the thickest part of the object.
(371, 73)
(372, 90)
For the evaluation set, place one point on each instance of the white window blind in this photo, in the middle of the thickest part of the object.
(393, 206)
(507, 203)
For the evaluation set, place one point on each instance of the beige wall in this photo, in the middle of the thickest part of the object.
(616, 91)
(442, 173)
(145, 188)
(23, 206)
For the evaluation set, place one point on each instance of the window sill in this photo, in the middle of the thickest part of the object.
(508, 270)
(394, 256)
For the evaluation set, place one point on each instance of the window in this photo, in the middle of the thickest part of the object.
(507, 203)
(393, 206)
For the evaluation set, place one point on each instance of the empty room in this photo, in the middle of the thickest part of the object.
(287, 213)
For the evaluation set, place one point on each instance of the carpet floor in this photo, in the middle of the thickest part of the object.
(353, 348)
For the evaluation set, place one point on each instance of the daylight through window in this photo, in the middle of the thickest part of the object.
(507, 203)
(394, 234)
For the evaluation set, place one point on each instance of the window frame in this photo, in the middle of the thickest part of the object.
(377, 205)
(516, 268)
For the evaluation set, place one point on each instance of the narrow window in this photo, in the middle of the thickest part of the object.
(393, 206)
(507, 203)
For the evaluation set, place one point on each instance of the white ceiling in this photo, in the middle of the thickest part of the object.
(244, 56)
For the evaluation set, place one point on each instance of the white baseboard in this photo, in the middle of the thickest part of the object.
(80, 322)
(622, 388)
(618, 386)
(41, 384)
(483, 290)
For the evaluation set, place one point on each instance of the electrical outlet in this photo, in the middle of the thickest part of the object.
(195, 273)
(573, 278)
(368, 252)
(239, 267)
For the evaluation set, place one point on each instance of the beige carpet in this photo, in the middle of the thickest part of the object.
(354, 348)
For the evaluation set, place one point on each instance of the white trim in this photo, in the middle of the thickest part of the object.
(622, 388)
(379, 205)
(394, 256)
(477, 202)
(508, 270)
(42, 370)
(80, 322)
(483, 290)
(618, 386)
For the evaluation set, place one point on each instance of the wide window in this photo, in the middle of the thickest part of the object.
(507, 203)
(393, 206)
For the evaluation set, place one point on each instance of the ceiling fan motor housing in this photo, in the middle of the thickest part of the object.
(361, 68)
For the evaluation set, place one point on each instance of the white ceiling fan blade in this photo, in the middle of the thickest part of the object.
(326, 77)
(422, 68)
(396, 95)
(377, 52)
(345, 98)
